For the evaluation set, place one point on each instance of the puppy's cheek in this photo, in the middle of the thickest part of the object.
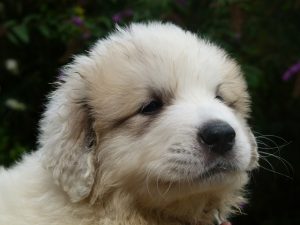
(131, 150)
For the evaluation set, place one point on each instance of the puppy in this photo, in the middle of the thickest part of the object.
(149, 128)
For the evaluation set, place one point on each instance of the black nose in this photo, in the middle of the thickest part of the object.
(218, 136)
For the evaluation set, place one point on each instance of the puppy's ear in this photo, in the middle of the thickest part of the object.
(67, 138)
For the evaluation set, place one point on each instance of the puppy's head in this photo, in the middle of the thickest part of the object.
(153, 110)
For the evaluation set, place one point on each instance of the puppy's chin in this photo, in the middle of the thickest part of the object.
(195, 198)
(161, 190)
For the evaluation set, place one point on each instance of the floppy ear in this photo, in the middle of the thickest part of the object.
(67, 138)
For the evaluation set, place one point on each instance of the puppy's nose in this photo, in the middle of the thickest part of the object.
(218, 135)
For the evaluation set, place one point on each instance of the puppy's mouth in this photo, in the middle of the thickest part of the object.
(218, 169)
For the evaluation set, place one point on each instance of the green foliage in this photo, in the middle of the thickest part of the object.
(38, 37)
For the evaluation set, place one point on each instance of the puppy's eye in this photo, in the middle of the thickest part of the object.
(220, 98)
(151, 107)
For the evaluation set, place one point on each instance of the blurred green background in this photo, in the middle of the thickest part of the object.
(37, 37)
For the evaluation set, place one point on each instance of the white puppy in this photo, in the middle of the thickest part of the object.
(148, 128)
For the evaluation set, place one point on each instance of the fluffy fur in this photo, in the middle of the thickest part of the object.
(102, 161)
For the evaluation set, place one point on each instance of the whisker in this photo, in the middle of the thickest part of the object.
(268, 139)
(157, 185)
(277, 146)
(147, 182)
(276, 172)
(268, 142)
(168, 189)
(286, 163)
(271, 166)
(274, 136)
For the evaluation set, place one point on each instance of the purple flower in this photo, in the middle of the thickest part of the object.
(77, 21)
(291, 71)
(118, 17)
(242, 205)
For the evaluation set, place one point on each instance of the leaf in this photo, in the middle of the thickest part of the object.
(10, 23)
(253, 75)
(21, 32)
(44, 30)
(11, 37)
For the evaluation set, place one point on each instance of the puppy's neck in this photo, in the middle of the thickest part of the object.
(196, 209)
(122, 208)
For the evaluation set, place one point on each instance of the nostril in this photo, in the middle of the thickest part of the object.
(218, 135)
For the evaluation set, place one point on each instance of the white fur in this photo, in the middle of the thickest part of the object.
(102, 162)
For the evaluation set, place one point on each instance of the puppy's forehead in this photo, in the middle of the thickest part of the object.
(142, 60)
(162, 57)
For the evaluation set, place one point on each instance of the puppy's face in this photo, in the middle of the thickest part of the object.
(169, 108)
(151, 106)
